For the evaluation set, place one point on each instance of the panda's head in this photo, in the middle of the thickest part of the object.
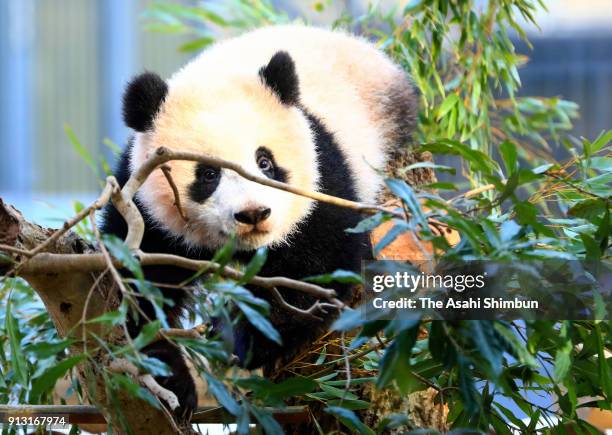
(248, 117)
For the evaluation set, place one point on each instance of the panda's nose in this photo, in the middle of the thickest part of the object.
(252, 216)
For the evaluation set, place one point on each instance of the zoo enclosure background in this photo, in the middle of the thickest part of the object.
(66, 62)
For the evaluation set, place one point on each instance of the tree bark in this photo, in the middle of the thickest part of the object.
(65, 296)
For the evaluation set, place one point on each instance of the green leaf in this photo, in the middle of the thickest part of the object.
(119, 250)
(264, 388)
(519, 348)
(226, 252)
(353, 405)
(154, 366)
(543, 168)
(398, 229)
(392, 421)
(349, 419)
(112, 317)
(369, 223)
(486, 342)
(509, 230)
(276, 393)
(441, 185)
(599, 143)
(342, 276)
(591, 247)
(394, 364)
(243, 295)
(337, 392)
(602, 235)
(17, 357)
(5, 258)
(563, 360)
(197, 44)
(81, 150)
(255, 265)
(588, 209)
(46, 381)
(349, 319)
(449, 102)
(131, 386)
(605, 375)
(259, 322)
(509, 155)
(147, 334)
(45, 349)
(218, 389)
(267, 421)
(430, 165)
(478, 160)
(407, 195)
(467, 388)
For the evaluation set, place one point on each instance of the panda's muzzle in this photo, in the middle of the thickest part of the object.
(252, 216)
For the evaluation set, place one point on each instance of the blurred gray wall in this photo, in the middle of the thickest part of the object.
(66, 62)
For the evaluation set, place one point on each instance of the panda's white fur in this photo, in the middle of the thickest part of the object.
(217, 104)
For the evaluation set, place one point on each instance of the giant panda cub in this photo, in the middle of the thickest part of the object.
(318, 109)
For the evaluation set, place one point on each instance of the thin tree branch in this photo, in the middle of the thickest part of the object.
(195, 333)
(163, 155)
(311, 313)
(124, 204)
(473, 192)
(13, 250)
(69, 263)
(115, 274)
(111, 185)
(166, 169)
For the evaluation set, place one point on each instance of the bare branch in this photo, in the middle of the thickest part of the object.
(69, 263)
(125, 206)
(13, 250)
(194, 333)
(111, 185)
(473, 192)
(163, 155)
(166, 169)
(311, 313)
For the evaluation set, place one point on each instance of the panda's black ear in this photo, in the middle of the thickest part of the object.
(280, 76)
(142, 99)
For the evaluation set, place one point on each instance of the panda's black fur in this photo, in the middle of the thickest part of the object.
(321, 245)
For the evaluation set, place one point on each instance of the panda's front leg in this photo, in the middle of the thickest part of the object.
(297, 332)
(180, 381)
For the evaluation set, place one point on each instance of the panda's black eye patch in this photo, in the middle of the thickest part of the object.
(207, 179)
(210, 175)
(267, 165)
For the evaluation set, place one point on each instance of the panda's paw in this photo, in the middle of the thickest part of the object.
(185, 392)
(180, 381)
